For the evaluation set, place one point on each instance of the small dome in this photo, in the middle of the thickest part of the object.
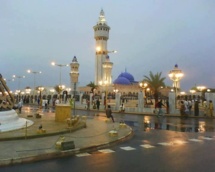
(122, 81)
(127, 76)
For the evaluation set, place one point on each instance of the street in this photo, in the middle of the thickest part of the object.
(159, 144)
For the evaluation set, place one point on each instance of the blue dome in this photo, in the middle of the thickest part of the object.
(122, 81)
(127, 76)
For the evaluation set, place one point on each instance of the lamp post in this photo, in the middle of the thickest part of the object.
(201, 88)
(59, 65)
(104, 84)
(144, 85)
(9, 80)
(176, 75)
(74, 76)
(18, 77)
(28, 91)
(34, 72)
(40, 88)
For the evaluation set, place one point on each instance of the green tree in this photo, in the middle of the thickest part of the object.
(92, 85)
(155, 82)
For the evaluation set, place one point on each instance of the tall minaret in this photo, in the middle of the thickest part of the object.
(107, 70)
(101, 35)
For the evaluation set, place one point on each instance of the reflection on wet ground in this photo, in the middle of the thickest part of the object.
(146, 123)
(173, 124)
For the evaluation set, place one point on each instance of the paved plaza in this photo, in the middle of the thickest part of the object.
(27, 145)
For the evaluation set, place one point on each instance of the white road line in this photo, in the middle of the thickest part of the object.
(106, 151)
(147, 146)
(82, 154)
(128, 148)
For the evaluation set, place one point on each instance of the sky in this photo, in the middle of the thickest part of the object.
(149, 35)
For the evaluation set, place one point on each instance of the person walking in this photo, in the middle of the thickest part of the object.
(205, 106)
(159, 106)
(88, 104)
(20, 105)
(196, 108)
(211, 108)
(190, 106)
(167, 106)
(97, 104)
(182, 108)
(109, 113)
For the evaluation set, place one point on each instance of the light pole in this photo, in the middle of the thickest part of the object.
(59, 65)
(201, 88)
(27, 92)
(74, 76)
(18, 77)
(144, 85)
(104, 84)
(40, 88)
(34, 72)
(9, 80)
(176, 75)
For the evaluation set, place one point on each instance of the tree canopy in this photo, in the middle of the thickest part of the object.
(92, 85)
(155, 82)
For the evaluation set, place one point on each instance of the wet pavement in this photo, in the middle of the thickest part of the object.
(26, 145)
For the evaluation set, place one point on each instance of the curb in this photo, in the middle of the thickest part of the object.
(80, 126)
(61, 154)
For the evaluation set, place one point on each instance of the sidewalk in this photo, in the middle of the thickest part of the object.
(19, 147)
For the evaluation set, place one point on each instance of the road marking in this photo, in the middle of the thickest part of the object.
(82, 154)
(180, 142)
(166, 143)
(195, 140)
(208, 138)
(147, 146)
(128, 148)
(106, 151)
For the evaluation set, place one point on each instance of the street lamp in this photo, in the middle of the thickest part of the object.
(104, 84)
(40, 88)
(99, 50)
(144, 85)
(34, 72)
(175, 75)
(115, 90)
(18, 77)
(74, 76)
(201, 88)
(9, 80)
(28, 91)
(59, 65)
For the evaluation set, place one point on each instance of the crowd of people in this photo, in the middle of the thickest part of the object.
(187, 106)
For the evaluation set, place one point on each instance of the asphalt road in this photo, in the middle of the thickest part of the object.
(163, 144)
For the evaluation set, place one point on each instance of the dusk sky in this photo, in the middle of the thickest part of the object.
(149, 35)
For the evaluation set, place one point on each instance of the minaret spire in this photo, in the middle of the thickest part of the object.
(102, 19)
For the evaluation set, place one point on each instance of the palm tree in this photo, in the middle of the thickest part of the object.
(155, 82)
(92, 85)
